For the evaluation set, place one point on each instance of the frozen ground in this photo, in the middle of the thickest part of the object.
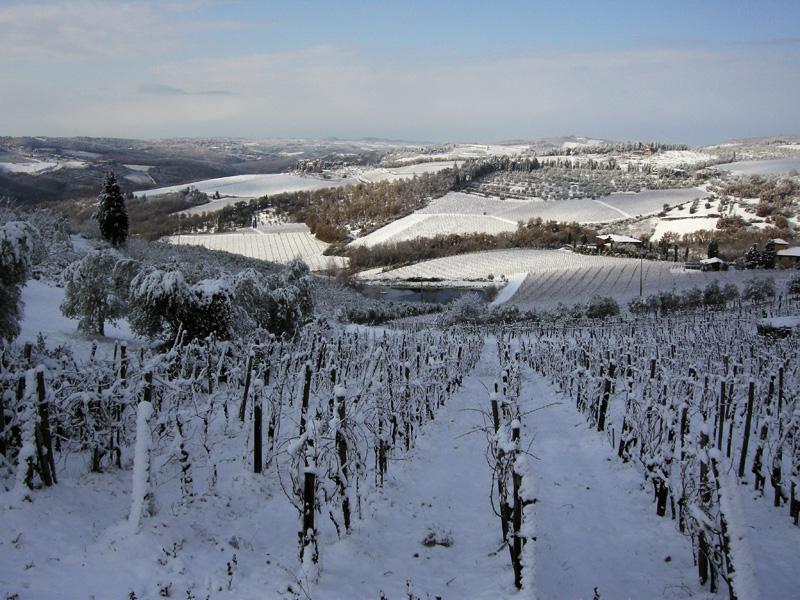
(762, 167)
(243, 187)
(278, 244)
(462, 213)
(595, 522)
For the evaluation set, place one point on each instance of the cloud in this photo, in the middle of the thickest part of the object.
(167, 90)
(658, 92)
(696, 95)
(58, 31)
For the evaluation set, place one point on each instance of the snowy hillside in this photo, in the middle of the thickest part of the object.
(469, 213)
(279, 244)
(401, 425)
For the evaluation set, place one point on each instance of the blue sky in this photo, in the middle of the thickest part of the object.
(693, 72)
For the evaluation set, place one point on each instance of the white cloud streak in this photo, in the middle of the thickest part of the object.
(334, 90)
(695, 95)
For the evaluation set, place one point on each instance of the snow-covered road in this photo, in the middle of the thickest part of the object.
(441, 487)
(596, 526)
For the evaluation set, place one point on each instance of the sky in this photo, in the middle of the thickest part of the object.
(433, 71)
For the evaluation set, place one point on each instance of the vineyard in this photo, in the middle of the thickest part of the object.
(705, 408)
(278, 244)
(647, 458)
(458, 212)
(499, 263)
(620, 280)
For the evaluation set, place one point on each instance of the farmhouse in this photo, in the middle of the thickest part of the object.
(612, 239)
(780, 244)
(789, 257)
(713, 264)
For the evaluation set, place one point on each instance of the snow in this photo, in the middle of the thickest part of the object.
(405, 172)
(279, 244)
(37, 167)
(462, 213)
(141, 465)
(514, 281)
(594, 522)
(41, 315)
(683, 226)
(240, 187)
(596, 527)
(762, 167)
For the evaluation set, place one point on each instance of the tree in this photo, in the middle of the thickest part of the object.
(602, 307)
(713, 249)
(16, 244)
(96, 290)
(759, 290)
(111, 215)
(157, 301)
(769, 255)
(752, 257)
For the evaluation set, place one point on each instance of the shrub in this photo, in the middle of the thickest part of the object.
(467, 308)
(759, 289)
(601, 307)
(793, 287)
(96, 290)
(15, 247)
(692, 298)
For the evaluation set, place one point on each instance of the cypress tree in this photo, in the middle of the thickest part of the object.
(111, 215)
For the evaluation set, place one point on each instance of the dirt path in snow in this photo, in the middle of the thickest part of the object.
(596, 526)
(442, 488)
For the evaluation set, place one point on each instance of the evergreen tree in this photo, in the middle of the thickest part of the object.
(752, 257)
(96, 290)
(16, 245)
(769, 255)
(713, 249)
(111, 215)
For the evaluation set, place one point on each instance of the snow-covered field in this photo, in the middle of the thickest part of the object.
(240, 187)
(429, 532)
(37, 167)
(498, 263)
(621, 280)
(762, 167)
(466, 151)
(397, 173)
(671, 159)
(682, 226)
(278, 244)
(545, 278)
(457, 212)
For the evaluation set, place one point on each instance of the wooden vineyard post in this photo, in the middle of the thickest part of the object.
(747, 425)
(308, 538)
(502, 492)
(148, 387)
(778, 458)
(703, 564)
(341, 450)
(257, 441)
(44, 439)
(515, 544)
(601, 417)
(243, 405)
(721, 415)
(306, 394)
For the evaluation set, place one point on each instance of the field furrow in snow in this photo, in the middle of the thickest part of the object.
(441, 486)
(596, 527)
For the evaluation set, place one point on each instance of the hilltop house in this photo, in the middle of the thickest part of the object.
(611, 239)
(713, 264)
(788, 257)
